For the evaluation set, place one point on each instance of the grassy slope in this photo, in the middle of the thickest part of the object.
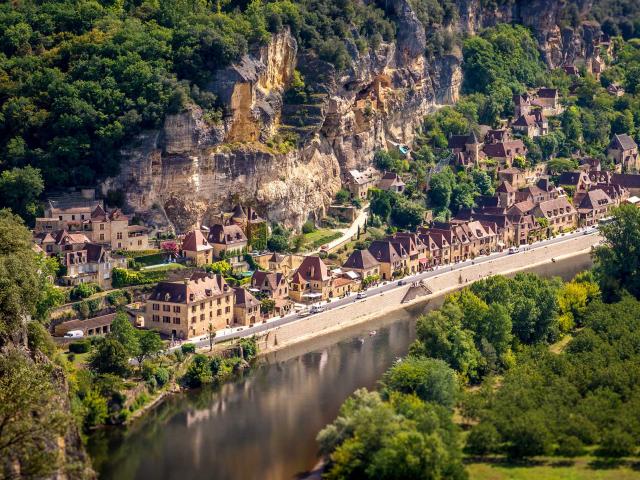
(556, 470)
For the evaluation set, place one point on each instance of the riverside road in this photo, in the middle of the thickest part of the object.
(381, 289)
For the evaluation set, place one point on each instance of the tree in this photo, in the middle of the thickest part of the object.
(618, 260)
(431, 380)
(20, 189)
(267, 305)
(31, 415)
(407, 215)
(124, 332)
(199, 371)
(483, 439)
(440, 189)
(342, 197)
(110, 356)
(221, 267)
(149, 343)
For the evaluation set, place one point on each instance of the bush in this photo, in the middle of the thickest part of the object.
(249, 348)
(187, 348)
(179, 355)
(308, 227)
(616, 444)
(118, 297)
(199, 372)
(162, 376)
(483, 439)
(83, 290)
(570, 446)
(81, 346)
(71, 357)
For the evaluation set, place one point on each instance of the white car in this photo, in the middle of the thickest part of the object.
(74, 334)
(361, 295)
(513, 250)
(318, 309)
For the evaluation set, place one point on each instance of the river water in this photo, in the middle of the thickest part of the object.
(263, 426)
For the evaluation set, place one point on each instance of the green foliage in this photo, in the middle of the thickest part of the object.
(401, 438)
(279, 241)
(221, 267)
(110, 356)
(187, 348)
(249, 348)
(20, 189)
(483, 439)
(309, 226)
(84, 290)
(199, 371)
(618, 260)
(32, 414)
(149, 344)
(431, 380)
(81, 346)
(123, 331)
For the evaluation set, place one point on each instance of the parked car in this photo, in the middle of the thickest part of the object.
(74, 334)
(401, 283)
(318, 308)
(361, 295)
(513, 250)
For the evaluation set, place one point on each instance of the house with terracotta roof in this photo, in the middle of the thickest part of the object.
(311, 281)
(196, 248)
(246, 308)
(506, 193)
(623, 150)
(54, 243)
(393, 262)
(505, 152)
(185, 309)
(363, 263)
(270, 284)
(513, 175)
(414, 247)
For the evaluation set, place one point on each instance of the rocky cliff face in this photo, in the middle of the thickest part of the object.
(193, 167)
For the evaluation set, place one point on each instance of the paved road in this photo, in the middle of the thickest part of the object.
(228, 334)
(349, 233)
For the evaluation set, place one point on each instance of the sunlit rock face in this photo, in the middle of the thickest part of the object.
(195, 166)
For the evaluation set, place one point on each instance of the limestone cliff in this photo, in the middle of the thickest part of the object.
(194, 167)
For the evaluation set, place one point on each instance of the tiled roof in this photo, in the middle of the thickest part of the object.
(623, 142)
(194, 241)
(244, 298)
(361, 260)
(198, 287)
(384, 252)
(313, 268)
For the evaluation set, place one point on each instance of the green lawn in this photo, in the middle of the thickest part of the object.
(319, 237)
(557, 469)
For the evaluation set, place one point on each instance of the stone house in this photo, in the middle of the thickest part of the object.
(90, 263)
(507, 194)
(185, 309)
(197, 249)
(271, 284)
(311, 281)
(228, 241)
(560, 214)
(623, 150)
(594, 205)
(391, 182)
(392, 262)
(505, 152)
(246, 308)
(360, 182)
(363, 263)
(513, 175)
(532, 125)
(414, 247)
(285, 264)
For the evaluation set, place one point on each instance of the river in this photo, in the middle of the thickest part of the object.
(263, 425)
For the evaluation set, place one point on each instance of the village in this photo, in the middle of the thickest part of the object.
(214, 277)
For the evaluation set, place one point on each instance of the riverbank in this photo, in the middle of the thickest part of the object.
(439, 284)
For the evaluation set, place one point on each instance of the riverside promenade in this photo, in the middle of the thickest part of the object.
(382, 299)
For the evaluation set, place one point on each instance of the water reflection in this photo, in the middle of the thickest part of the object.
(264, 425)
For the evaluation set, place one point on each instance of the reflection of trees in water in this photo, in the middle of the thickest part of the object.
(265, 422)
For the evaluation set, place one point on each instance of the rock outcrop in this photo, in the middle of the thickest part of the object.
(195, 166)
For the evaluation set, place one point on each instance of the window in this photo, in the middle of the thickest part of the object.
(176, 309)
(202, 317)
(155, 318)
(156, 306)
(227, 309)
(219, 312)
(219, 300)
(139, 243)
(102, 226)
(193, 308)
(166, 319)
(102, 236)
(166, 308)
(202, 306)
(193, 319)
(119, 235)
(176, 320)
(73, 217)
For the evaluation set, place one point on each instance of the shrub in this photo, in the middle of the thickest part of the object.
(162, 376)
(483, 439)
(187, 348)
(570, 446)
(179, 355)
(81, 346)
(83, 290)
(71, 357)
(308, 227)
(148, 370)
(616, 444)
(199, 372)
